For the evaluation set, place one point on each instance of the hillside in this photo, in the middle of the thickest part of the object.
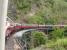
(38, 11)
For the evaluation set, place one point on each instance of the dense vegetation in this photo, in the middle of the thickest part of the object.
(54, 40)
(41, 11)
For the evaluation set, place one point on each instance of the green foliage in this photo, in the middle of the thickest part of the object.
(65, 32)
(38, 38)
(60, 44)
(57, 33)
(36, 20)
(22, 4)
(50, 11)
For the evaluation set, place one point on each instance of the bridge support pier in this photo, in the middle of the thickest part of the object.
(3, 15)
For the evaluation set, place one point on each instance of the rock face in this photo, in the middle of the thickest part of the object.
(11, 44)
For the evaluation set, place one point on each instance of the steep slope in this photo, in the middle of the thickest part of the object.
(40, 11)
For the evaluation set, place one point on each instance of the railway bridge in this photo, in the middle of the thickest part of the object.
(15, 30)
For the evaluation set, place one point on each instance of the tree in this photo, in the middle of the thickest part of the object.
(57, 33)
(38, 38)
